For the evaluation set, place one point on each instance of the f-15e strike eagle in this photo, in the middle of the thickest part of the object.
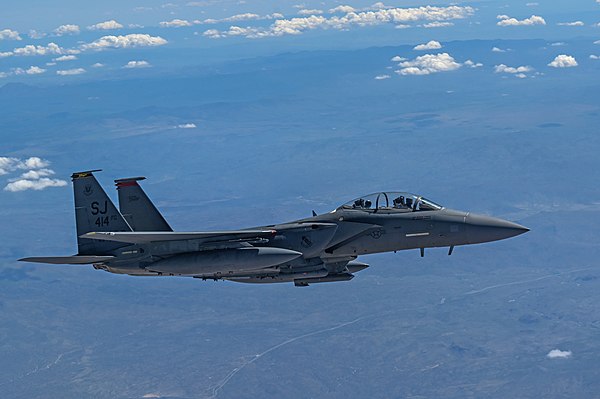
(138, 241)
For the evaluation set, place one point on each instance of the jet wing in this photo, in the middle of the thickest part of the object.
(153, 237)
(68, 260)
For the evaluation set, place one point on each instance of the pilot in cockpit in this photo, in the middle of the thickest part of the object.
(359, 203)
(399, 202)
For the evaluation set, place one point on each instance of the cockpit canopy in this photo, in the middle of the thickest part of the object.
(392, 202)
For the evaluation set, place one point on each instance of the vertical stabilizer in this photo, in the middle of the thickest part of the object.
(94, 211)
(136, 207)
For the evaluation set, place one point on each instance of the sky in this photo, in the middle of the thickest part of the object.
(250, 113)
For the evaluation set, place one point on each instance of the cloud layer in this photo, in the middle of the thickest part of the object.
(296, 26)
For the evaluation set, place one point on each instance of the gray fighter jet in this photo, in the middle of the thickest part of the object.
(138, 241)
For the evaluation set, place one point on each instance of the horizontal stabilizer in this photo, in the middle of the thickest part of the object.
(68, 260)
(148, 237)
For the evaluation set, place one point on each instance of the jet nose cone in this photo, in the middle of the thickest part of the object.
(483, 228)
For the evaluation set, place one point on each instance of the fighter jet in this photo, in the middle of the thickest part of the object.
(137, 240)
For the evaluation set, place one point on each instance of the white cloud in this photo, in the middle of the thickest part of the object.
(558, 354)
(33, 163)
(126, 41)
(382, 77)
(176, 23)
(31, 50)
(574, 23)
(498, 50)
(68, 29)
(514, 70)
(187, 126)
(36, 35)
(342, 9)
(11, 164)
(437, 24)
(137, 64)
(398, 59)
(378, 6)
(428, 64)
(472, 64)
(241, 17)
(6, 54)
(63, 58)
(37, 174)
(295, 26)
(563, 61)
(505, 20)
(39, 184)
(310, 12)
(557, 44)
(69, 72)
(106, 25)
(521, 75)
(33, 70)
(594, 57)
(535, 4)
(98, 65)
(8, 34)
(431, 45)
(597, 42)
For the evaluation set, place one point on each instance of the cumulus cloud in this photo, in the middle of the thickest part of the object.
(36, 175)
(63, 58)
(505, 20)
(295, 26)
(498, 50)
(137, 64)
(512, 70)
(125, 41)
(33, 70)
(428, 64)
(68, 29)
(398, 59)
(557, 44)
(597, 42)
(106, 25)
(472, 64)
(98, 65)
(39, 184)
(594, 57)
(558, 354)
(69, 72)
(563, 61)
(431, 45)
(8, 34)
(574, 23)
(31, 50)
(382, 77)
(175, 23)
(342, 9)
